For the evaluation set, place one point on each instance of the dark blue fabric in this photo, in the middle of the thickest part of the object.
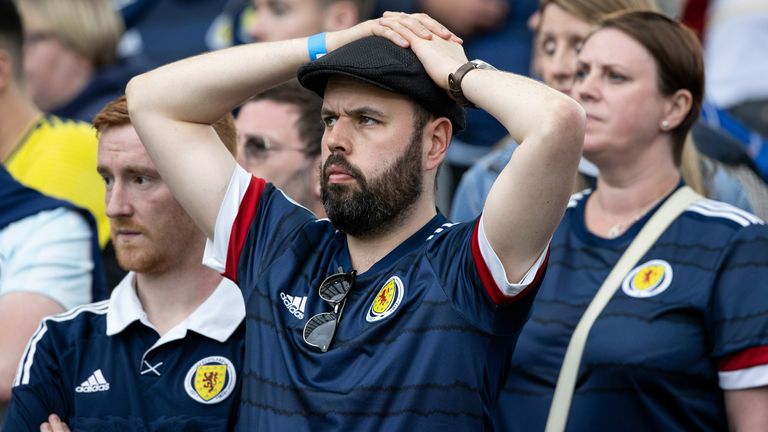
(752, 144)
(650, 363)
(69, 348)
(170, 30)
(18, 201)
(436, 363)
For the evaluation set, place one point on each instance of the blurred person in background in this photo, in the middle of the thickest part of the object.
(71, 60)
(683, 342)
(275, 20)
(561, 27)
(736, 54)
(53, 155)
(279, 137)
(49, 262)
(164, 352)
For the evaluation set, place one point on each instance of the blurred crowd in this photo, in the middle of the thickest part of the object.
(63, 245)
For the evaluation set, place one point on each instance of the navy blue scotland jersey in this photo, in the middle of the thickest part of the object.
(424, 339)
(688, 323)
(103, 367)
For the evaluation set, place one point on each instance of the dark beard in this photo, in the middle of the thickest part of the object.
(372, 208)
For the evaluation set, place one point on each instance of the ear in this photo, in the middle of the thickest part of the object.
(340, 15)
(676, 108)
(438, 133)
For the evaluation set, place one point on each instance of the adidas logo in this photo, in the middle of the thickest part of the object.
(94, 383)
(294, 304)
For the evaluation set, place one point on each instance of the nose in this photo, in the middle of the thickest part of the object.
(337, 139)
(563, 69)
(586, 88)
(118, 202)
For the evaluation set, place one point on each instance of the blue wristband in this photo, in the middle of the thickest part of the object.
(316, 46)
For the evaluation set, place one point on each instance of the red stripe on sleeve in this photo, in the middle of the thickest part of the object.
(494, 292)
(245, 216)
(750, 357)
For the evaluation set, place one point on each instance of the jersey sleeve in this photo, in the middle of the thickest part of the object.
(254, 222)
(474, 279)
(51, 257)
(38, 390)
(739, 308)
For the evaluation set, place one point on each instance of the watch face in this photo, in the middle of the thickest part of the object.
(479, 64)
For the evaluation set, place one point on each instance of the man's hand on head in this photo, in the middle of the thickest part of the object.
(398, 27)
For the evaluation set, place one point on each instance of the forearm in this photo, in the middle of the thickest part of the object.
(20, 314)
(203, 88)
(747, 409)
(531, 192)
(527, 108)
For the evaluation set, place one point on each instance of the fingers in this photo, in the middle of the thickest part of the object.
(419, 24)
(391, 32)
(54, 424)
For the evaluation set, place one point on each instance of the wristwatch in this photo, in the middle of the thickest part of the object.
(454, 81)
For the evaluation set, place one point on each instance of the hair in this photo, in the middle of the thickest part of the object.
(694, 167)
(592, 11)
(309, 104)
(91, 28)
(115, 114)
(678, 56)
(11, 36)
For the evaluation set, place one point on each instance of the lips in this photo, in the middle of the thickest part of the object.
(337, 174)
(126, 232)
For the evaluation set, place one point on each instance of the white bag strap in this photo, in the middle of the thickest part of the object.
(566, 381)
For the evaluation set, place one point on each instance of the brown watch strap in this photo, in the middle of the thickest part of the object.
(454, 84)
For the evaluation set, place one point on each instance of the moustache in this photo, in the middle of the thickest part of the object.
(341, 162)
(124, 225)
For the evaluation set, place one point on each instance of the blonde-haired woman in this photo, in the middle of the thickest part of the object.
(71, 61)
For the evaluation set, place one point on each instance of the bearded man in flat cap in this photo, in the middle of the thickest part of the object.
(385, 316)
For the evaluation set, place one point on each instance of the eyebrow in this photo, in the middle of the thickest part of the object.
(130, 170)
(361, 111)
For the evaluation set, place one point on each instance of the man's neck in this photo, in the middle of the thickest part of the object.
(366, 251)
(169, 298)
(17, 115)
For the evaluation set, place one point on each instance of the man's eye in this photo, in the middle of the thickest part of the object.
(257, 144)
(141, 180)
(329, 121)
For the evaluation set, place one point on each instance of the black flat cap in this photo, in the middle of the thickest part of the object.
(378, 61)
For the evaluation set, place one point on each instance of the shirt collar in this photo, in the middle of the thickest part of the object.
(124, 306)
(216, 318)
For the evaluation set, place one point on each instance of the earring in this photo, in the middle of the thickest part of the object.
(665, 124)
